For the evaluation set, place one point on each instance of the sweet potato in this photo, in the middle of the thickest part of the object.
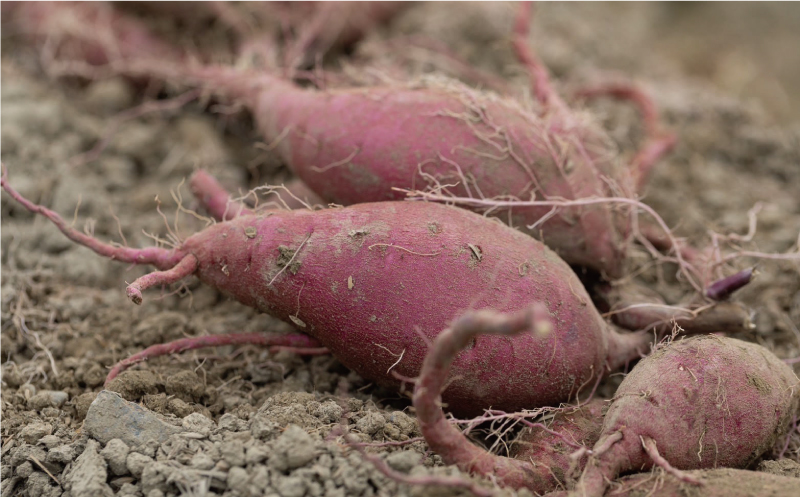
(698, 403)
(439, 132)
(705, 402)
(373, 282)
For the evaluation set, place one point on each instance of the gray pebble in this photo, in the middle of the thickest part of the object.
(25, 452)
(49, 441)
(403, 461)
(116, 455)
(198, 423)
(136, 463)
(237, 480)
(231, 422)
(24, 470)
(110, 416)
(47, 398)
(293, 449)
(291, 486)
(62, 454)
(201, 461)
(33, 432)
(371, 423)
(88, 475)
(262, 427)
(232, 452)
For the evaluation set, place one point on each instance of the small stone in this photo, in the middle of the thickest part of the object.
(371, 423)
(237, 480)
(116, 455)
(88, 475)
(293, 449)
(403, 461)
(232, 451)
(328, 412)
(133, 385)
(129, 490)
(137, 462)
(82, 403)
(291, 486)
(262, 427)
(110, 416)
(198, 423)
(201, 461)
(62, 454)
(33, 432)
(47, 398)
(256, 454)
(25, 452)
(49, 441)
(783, 467)
(185, 385)
(232, 423)
(24, 470)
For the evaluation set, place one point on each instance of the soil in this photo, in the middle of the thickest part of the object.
(239, 421)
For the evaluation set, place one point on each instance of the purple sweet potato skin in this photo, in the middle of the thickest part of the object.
(707, 401)
(383, 137)
(581, 426)
(372, 279)
(724, 482)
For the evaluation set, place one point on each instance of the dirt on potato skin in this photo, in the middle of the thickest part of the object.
(66, 319)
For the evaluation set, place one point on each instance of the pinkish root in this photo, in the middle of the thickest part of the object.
(157, 256)
(295, 341)
(658, 142)
(215, 198)
(540, 78)
(440, 434)
(186, 267)
(650, 447)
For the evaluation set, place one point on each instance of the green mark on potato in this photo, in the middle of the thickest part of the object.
(250, 232)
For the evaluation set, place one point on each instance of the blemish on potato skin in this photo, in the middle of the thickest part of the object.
(250, 232)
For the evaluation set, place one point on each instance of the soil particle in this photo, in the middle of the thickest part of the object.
(293, 449)
(133, 384)
(783, 467)
(87, 477)
(33, 432)
(136, 463)
(116, 455)
(47, 398)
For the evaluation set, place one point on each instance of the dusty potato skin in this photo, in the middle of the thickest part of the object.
(364, 279)
(439, 130)
(707, 401)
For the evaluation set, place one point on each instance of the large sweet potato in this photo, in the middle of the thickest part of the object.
(374, 282)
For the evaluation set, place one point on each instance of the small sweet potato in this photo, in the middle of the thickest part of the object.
(698, 403)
